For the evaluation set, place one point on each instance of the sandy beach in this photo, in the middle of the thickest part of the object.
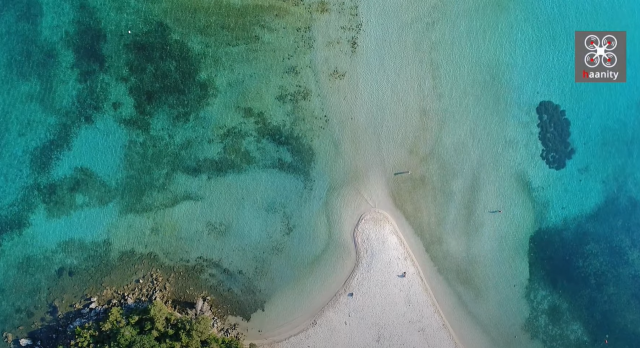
(377, 307)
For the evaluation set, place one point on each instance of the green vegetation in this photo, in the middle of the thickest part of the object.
(151, 326)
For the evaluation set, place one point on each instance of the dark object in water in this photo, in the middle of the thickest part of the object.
(495, 211)
(554, 135)
(403, 172)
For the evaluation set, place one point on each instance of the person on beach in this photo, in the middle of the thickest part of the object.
(404, 274)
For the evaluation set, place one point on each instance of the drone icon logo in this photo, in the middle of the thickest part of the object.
(600, 51)
(600, 56)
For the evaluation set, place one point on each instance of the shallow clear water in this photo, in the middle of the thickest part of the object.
(492, 62)
(187, 130)
(198, 130)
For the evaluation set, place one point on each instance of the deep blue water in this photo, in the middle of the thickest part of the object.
(493, 62)
(153, 131)
(583, 256)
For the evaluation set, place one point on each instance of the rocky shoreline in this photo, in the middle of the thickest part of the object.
(136, 295)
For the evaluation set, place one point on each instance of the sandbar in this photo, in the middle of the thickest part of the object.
(377, 307)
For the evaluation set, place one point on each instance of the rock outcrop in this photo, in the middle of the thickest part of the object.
(554, 135)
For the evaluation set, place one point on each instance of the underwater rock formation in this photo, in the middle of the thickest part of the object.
(554, 135)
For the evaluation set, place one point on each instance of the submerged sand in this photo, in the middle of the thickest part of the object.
(377, 307)
(394, 109)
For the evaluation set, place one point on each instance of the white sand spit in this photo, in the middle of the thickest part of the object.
(385, 309)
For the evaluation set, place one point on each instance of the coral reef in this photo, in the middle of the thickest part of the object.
(552, 319)
(554, 135)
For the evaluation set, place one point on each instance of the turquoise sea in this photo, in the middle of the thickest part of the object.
(562, 255)
(195, 137)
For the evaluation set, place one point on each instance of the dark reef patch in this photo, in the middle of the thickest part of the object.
(163, 76)
(296, 156)
(86, 43)
(28, 56)
(554, 135)
(46, 154)
(234, 159)
(302, 154)
(588, 270)
(229, 23)
(151, 163)
(82, 189)
(166, 80)
(15, 217)
(85, 40)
